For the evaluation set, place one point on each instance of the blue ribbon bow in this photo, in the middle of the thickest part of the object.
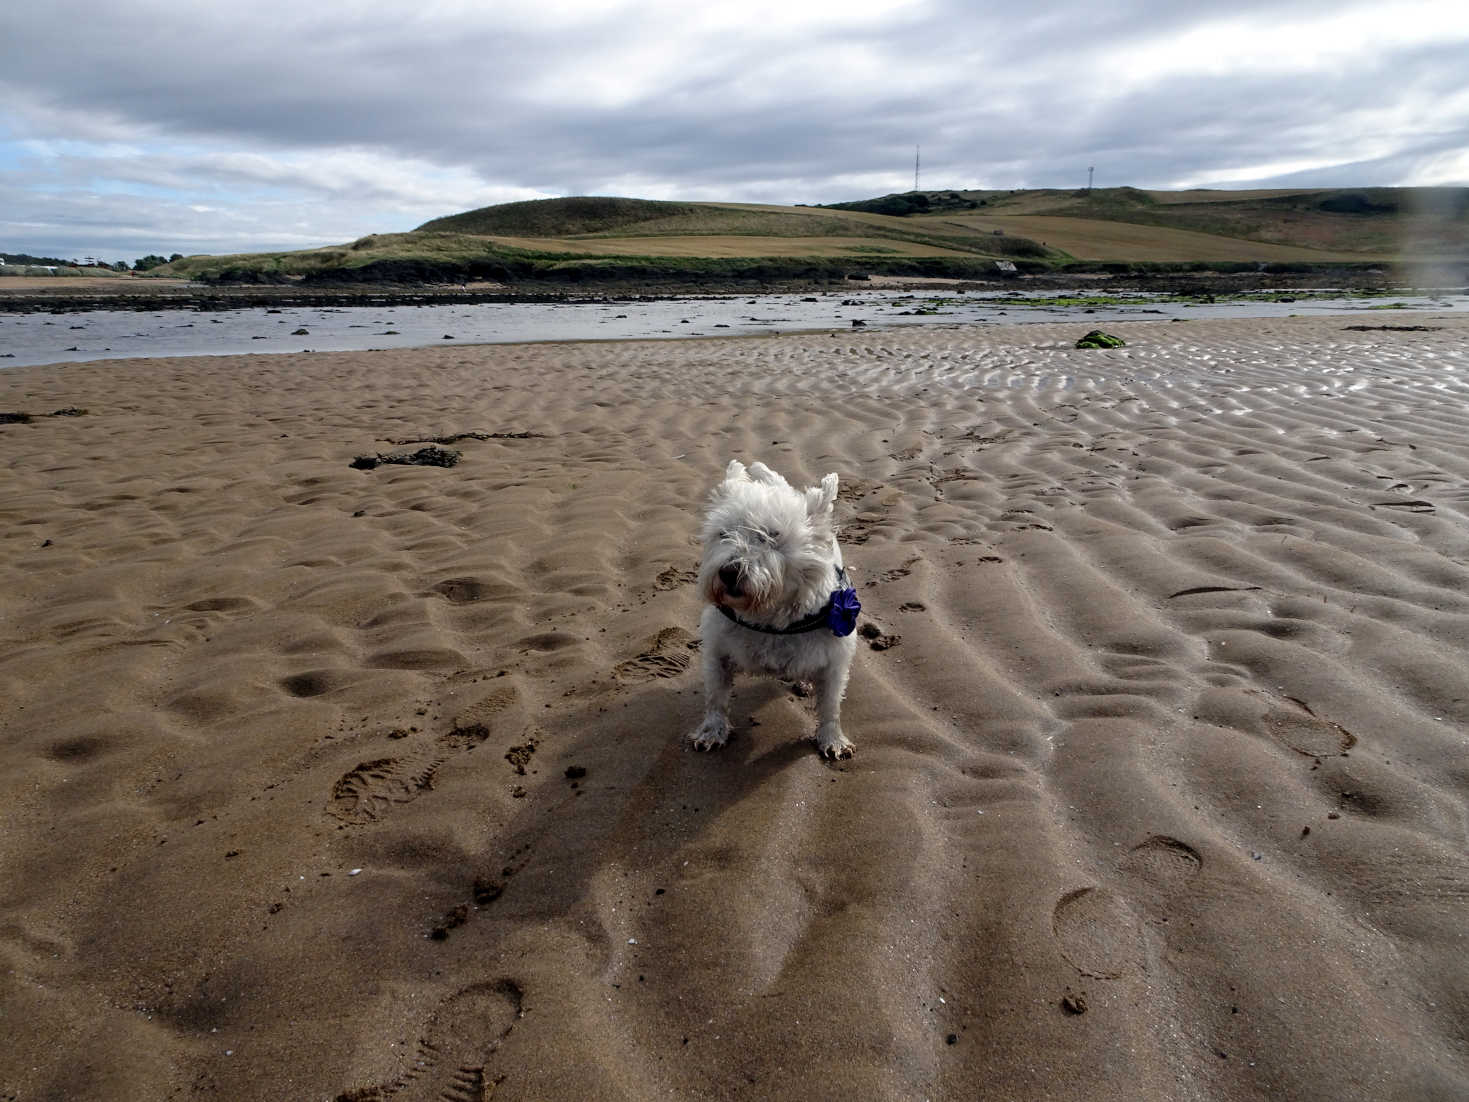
(841, 615)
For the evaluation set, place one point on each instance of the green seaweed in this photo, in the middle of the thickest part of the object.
(1097, 339)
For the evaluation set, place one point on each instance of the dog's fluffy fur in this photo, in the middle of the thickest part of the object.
(771, 557)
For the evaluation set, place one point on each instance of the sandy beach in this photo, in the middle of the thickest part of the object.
(333, 783)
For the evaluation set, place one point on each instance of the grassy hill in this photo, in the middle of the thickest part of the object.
(949, 233)
(557, 217)
(1129, 224)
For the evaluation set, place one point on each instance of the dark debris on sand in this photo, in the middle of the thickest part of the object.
(454, 438)
(1392, 328)
(430, 456)
(455, 918)
(16, 417)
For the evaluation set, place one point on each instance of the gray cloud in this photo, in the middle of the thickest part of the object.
(291, 124)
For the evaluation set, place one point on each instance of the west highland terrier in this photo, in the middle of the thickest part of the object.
(780, 602)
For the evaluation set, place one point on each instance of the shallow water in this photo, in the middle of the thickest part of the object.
(38, 338)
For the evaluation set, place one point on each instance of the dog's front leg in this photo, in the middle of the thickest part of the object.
(831, 686)
(718, 685)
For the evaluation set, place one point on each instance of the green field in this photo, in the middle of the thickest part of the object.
(955, 233)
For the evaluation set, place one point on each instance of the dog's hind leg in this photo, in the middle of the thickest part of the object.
(718, 685)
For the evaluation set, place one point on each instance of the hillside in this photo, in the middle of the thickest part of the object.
(1119, 224)
(958, 234)
(556, 217)
(593, 238)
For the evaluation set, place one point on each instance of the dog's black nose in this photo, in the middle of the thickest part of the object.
(729, 577)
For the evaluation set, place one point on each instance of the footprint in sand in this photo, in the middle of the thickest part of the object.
(1183, 524)
(666, 654)
(1301, 729)
(449, 1061)
(224, 604)
(1099, 931)
(854, 489)
(367, 791)
(461, 591)
(673, 578)
(895, 573)
(471, 590)
(1163, 864)
(316, 682)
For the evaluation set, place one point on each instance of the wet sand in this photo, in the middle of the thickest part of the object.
(46, 337)
(329, 783)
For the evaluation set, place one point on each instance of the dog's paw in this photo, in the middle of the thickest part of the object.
(712, 734)
(831, 743)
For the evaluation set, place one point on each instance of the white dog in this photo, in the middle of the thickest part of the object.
(779, 599)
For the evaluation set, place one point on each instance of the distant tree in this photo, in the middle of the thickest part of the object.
(175, 256)
(27, 258)
(899, 206)
(152, 260)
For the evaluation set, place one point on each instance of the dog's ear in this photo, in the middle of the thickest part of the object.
(735, 472)
(820, 499)
(759, 472)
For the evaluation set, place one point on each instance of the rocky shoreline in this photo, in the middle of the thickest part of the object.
(130, 295)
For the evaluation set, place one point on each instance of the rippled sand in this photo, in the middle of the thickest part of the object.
(1161, 787)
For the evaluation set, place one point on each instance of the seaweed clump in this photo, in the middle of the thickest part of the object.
(1097, 339)
(430, 456)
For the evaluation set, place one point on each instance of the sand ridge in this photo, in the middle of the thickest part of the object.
(331, 783)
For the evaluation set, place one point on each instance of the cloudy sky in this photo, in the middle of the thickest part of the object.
(138, 126)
